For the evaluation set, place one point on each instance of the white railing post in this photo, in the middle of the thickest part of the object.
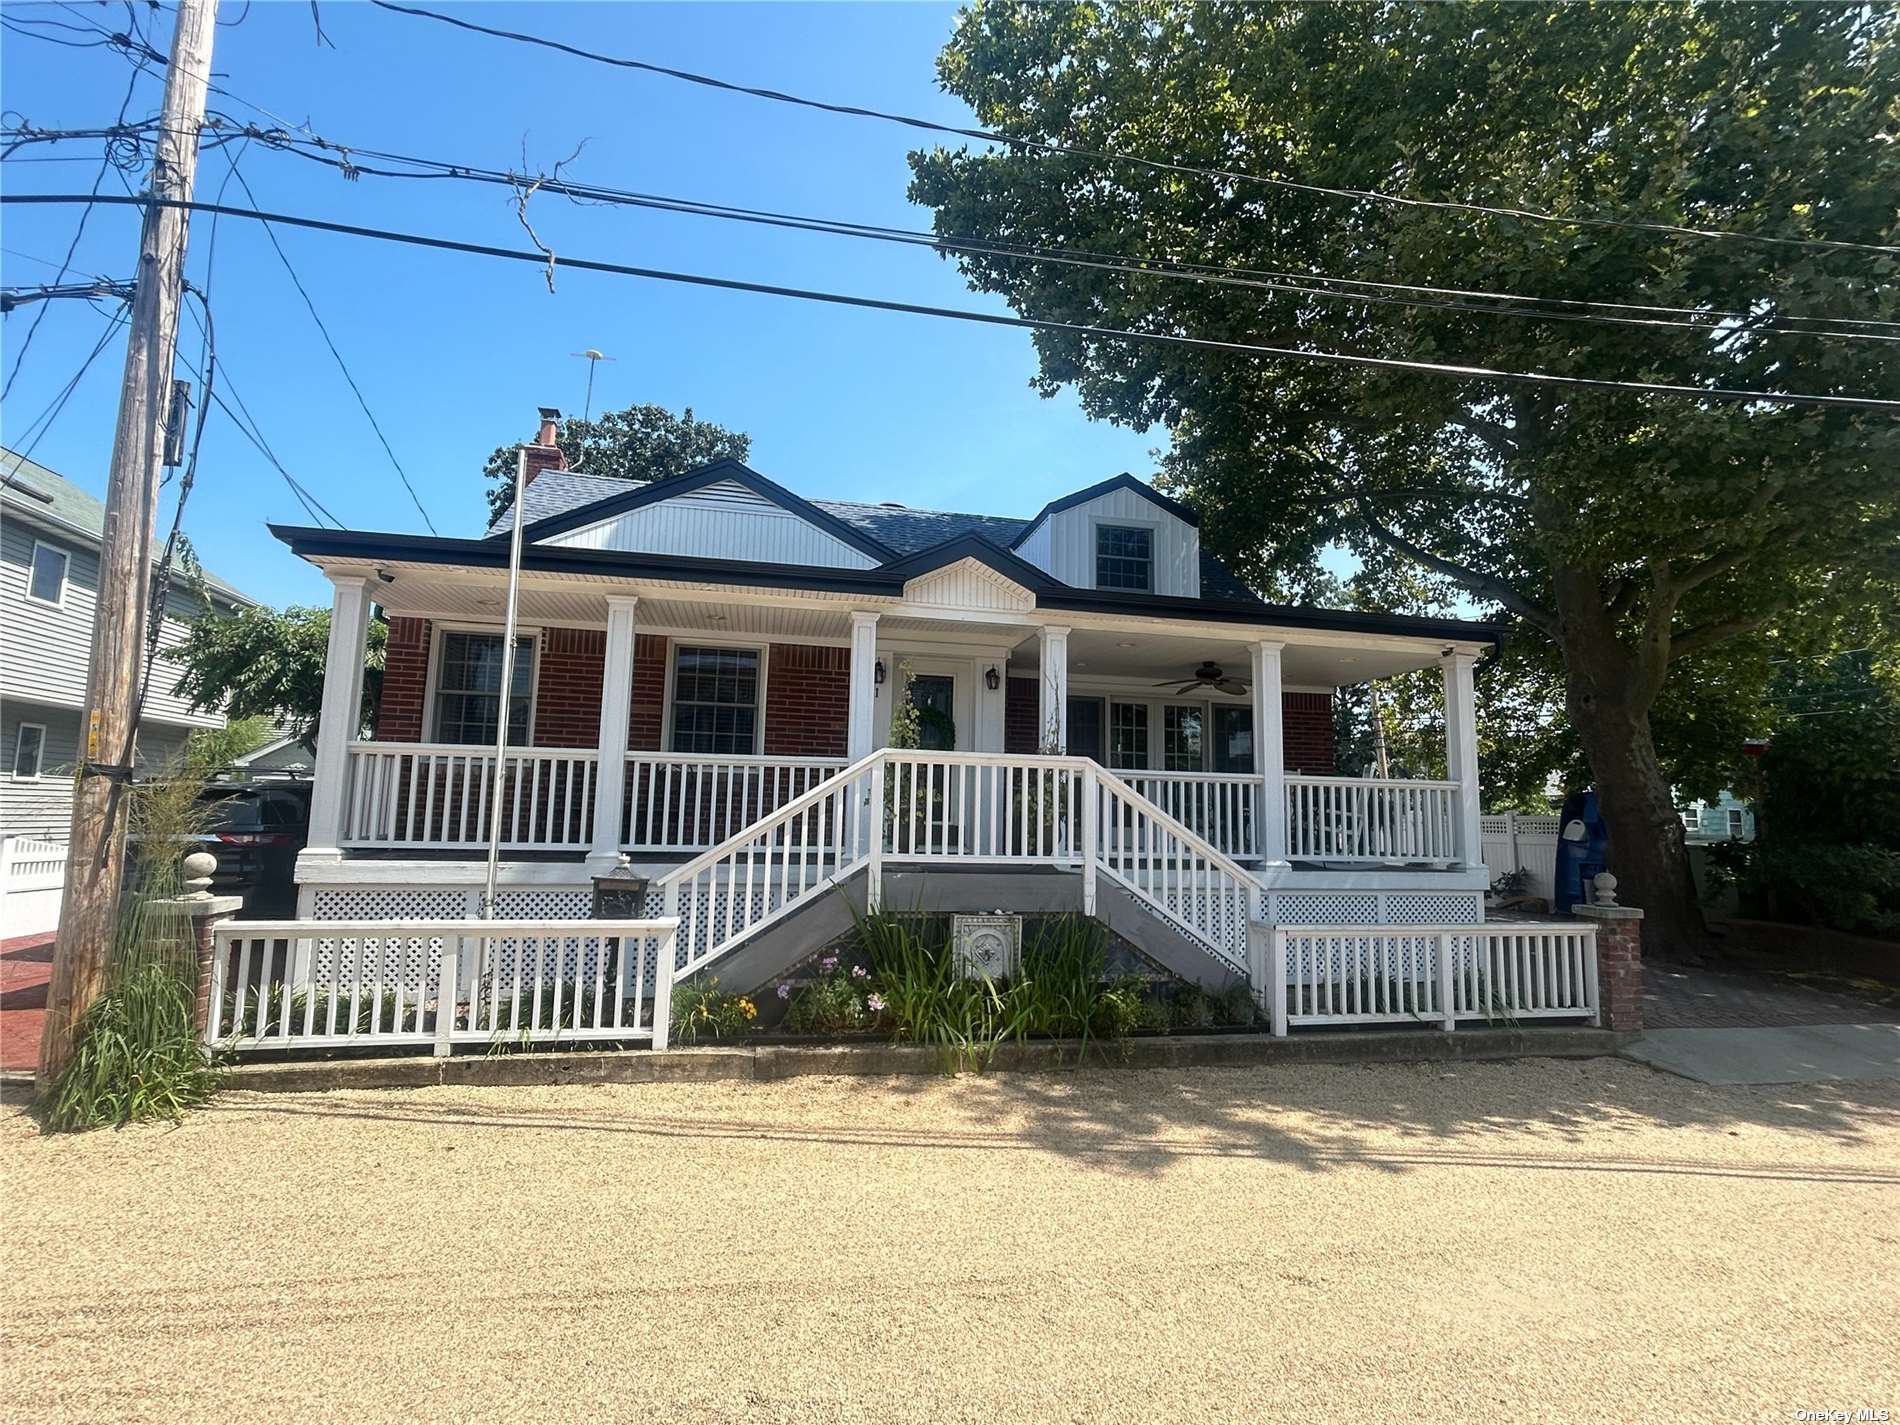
(340, 716)
(1091, 792)
(446, 983)
(1269, 740)
(874, 847)
(1448, 1012)
(1276, 981)
(666, 947)
(616, 710)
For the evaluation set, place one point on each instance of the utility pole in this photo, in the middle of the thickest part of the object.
(96, 858)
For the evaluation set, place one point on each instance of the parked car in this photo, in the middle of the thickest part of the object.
(256, 830)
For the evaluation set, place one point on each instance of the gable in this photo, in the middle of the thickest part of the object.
(1061, 540)
(719, 519)
(969, 584)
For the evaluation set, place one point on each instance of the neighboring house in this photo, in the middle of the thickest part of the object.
(701, 657)
(1727, 818)
(286, 755)
(50, 533)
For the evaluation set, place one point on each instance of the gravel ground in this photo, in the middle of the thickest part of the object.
(1540, 1241)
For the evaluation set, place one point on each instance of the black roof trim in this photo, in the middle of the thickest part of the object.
(1281, 615)
(653, 491)
(985, 551)
(1123, 481)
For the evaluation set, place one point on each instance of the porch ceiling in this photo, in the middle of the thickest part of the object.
(1098, 653)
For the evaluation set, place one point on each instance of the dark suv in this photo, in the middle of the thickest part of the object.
(256, 829)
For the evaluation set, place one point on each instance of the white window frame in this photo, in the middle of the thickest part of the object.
(1737, 823)
(39, 757)
(65, 574)
(674, 643)
(433, 684)
(1097, 523)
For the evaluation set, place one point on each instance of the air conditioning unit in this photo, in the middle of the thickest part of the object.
(989, 945)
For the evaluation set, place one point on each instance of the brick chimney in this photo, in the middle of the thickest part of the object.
(543, 453)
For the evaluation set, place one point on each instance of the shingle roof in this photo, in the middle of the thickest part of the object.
(33, 490)
(899, 527)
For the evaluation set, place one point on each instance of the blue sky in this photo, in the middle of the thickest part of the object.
(454, 353)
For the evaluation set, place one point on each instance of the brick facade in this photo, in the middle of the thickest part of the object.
(399, 711)
(1619, 964)
(1021, 702)
(807, 700)
(646, 726)
(1307, 720)
(568, 683)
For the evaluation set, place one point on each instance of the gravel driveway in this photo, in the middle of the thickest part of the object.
(1541, 1241)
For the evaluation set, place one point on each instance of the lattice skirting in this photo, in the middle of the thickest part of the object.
(1375, 907)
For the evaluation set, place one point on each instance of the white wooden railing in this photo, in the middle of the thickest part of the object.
(1425, 974)
(378, 983)
(1220, 806)
(1367, 820)
(679, 801)
(426, 795)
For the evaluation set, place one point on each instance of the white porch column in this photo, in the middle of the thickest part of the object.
(340, 716)
(1052, 707)
(861, 726)
(1269, 742)
(1461, 752)
(616, 708)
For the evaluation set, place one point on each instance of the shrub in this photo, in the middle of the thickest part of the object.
(706, 1011)
(839, 1000)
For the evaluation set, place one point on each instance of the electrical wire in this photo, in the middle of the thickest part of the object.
(37, 428)
(1106, 156)
(1337, 358)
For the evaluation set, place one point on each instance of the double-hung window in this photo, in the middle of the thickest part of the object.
(46, 580)
(716, 700)
(468, 688)
(29, 749)
(1124, 557)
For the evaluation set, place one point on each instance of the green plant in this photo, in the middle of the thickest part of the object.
(703, 1010)
(1512, 883)
(923, 998)
(1118, 1009)
(836, 1002)
(1057, 991)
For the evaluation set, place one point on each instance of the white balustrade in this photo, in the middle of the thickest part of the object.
(678, 801)
(328, 984)
(427, 796)
(982, 806)
(1219, 806)
(1363, 819)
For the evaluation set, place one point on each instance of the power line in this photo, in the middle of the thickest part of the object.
(328, 341)
(1098, 155)
(44, 420)
(12, 297)
(1470, 373)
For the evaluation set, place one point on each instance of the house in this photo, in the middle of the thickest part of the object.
(708, 664)
(50, 534)
(1727, 818)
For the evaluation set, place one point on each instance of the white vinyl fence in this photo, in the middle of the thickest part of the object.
(378, 983)
(1517, 841)
(1427, 975)
(32, 879)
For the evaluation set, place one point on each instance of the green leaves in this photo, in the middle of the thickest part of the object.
(264, 663)
(638, 443)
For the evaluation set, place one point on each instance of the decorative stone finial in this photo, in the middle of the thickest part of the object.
(199, 867)
(1604, 885)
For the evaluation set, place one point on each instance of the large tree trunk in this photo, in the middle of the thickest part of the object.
(1610, 709)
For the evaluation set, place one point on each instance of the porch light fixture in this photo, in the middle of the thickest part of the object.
(992, 679)
(877, 673)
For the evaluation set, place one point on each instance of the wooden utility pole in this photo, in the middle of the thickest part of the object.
(96, 859)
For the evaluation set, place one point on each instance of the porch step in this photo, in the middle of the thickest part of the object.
(767, 955)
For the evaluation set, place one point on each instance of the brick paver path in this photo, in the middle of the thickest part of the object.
(26, 964)
(1685, 997)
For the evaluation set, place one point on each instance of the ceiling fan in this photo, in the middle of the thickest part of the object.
(1208, 675)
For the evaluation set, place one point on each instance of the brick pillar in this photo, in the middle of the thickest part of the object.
(1619, 957)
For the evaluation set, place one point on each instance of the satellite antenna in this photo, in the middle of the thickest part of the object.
(593, 359)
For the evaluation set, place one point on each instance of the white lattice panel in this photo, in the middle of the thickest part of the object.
(1434, 907)
(1326, 908)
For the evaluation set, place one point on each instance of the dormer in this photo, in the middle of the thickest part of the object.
(1121, 536)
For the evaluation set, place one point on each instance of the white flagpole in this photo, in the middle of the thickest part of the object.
(507, 686)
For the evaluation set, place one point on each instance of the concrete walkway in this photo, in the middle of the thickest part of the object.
(1788, 1054)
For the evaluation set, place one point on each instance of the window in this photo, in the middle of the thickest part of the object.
(716, 700)
(29, 749)
(1128, 736)
(1233, 739)
(1085, 728)
(468, 689)
(1124, 557)
(46, 583)
(1181, 742)
(1735, 823)
(1691, 820)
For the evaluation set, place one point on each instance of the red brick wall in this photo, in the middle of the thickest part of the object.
(807, 701)
(568, 686)
(399, 711)
(1020, 706)
(1308, 731)
(645, 727)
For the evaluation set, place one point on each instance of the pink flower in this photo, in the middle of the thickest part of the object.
(874, 1003)
(828, 964)
(784, 991)
(858, 972)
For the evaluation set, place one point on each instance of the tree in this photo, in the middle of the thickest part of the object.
(639, 443)
(262, 663)
(215, 748)
(1636, 534)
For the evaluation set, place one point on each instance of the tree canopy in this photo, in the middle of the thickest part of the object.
(638, 443)
(264, 663)
(1628, 532)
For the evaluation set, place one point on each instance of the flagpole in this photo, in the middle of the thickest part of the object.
(507, 686)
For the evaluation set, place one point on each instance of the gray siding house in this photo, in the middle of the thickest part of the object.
(50, 532)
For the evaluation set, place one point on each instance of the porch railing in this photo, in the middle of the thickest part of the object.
(333, 984)
(427, 796)
(1364, 819)
(1222, 807)
(679, 801)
